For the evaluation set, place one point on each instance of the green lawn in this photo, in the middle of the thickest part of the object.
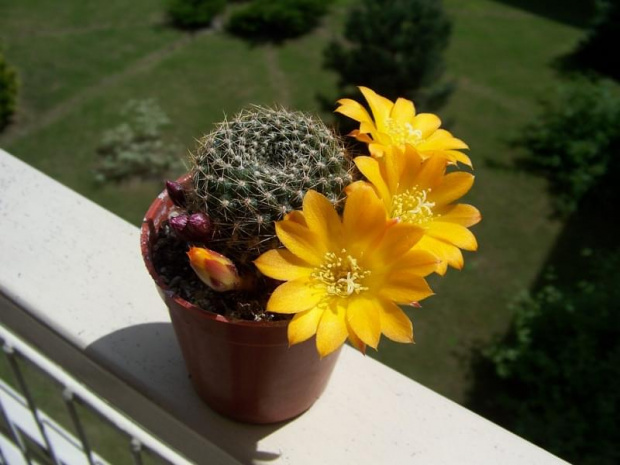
(81, 64)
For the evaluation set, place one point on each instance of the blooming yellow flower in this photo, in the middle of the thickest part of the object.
(396, 124)
(345, 277)
(421, 193)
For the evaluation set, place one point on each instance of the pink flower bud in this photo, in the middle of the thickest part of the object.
(199, 228)
(179, 224)
(214, 269)
(176, 193)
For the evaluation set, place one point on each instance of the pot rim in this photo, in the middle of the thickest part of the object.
(146, 229)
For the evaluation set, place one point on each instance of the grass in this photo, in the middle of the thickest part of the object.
(79, 66)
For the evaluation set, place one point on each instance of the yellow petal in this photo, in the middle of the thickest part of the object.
(418, 262)
(395, 324)
(370, 168)
(353, 110)
(304, 325)
(364, 218)
(431, 173)
(454, 234)
(403, 111)
(355, 340)
(294, 297)
(454, 186)
(380, 106)
(301, 241)
(427, 123)
(322, 219)
(463, 214)
(283, 265)
(363, 318)
(397, 240)
(447, 253)
(332, 330)
(405, 288)
(441, 140)
(296, 217)
(456, 156)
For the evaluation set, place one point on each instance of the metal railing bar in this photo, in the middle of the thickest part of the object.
(9, 351)
(15, 437)
(68, 396)
(114, 417)
(136, 451)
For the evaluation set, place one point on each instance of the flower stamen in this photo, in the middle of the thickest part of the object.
(340, 274)
(403, 133)
(413, 206)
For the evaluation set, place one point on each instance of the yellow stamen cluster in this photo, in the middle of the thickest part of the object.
(413, 206)
(403, 133)
(340, 274)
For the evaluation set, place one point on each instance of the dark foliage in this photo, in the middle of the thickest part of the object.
(9, 86)
(598, 50)
(395, 47)
(194, 14)
(276, 20)
(574, 141)
(553, 380)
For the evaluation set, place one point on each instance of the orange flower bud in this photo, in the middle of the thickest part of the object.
(214, 269)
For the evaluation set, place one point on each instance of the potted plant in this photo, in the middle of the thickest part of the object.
(273, 250)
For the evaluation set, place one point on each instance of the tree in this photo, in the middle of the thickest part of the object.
(394, 47)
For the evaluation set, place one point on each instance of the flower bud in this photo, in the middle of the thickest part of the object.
(179, 224)
(214, 269)
(176, 193)
(199, 228)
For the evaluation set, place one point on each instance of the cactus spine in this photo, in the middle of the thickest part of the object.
(252, 170)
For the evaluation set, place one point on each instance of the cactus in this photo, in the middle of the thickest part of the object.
(252, 170)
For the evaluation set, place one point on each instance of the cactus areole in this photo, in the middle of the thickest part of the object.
(255, 168)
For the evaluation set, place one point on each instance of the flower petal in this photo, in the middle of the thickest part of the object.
(363, 318)
(427, 123)
(322, 219)
(304, 325)
(441, 140)
(447, 253)
(403, 111)
(405, 288)
(463, 214)
(398, 240)
(454, 234)
(431, 173)
(332, 330)
(364, 218)
(454, 186)
(381, 107)
(294, 297)
(418, 262)
(283, 265)
(395, 324)
(371, 168)
(353, 110)
(301, 241)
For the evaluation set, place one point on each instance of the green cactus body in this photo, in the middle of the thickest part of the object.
(255, 168)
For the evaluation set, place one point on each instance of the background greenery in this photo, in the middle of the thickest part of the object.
(82, 61)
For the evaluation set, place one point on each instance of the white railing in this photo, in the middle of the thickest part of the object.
(73, 284)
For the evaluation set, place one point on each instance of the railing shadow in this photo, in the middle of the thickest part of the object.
(150, 352)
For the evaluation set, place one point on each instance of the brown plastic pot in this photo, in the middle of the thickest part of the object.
(244, 370)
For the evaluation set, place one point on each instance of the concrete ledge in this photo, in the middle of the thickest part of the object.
(76, 270)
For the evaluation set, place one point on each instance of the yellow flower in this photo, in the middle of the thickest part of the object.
(345, 277)
(419, 192)
(396, 124)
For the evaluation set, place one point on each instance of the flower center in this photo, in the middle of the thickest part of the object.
(403, 133)
(413, 206)
(340, 274)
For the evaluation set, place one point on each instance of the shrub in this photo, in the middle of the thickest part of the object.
(560, 367)
(9, 85)
(574, 140)
(275, 20)
(394, 47)
(598, 48)
(135, 147)
(194, 14)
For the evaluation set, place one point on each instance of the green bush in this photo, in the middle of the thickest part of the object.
(194, 14)
(9, 85)
(276, 20)
(135, 148)
(560, 367)
(396, 48)
(574, 140)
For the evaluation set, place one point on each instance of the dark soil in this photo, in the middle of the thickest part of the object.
(171, 262)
